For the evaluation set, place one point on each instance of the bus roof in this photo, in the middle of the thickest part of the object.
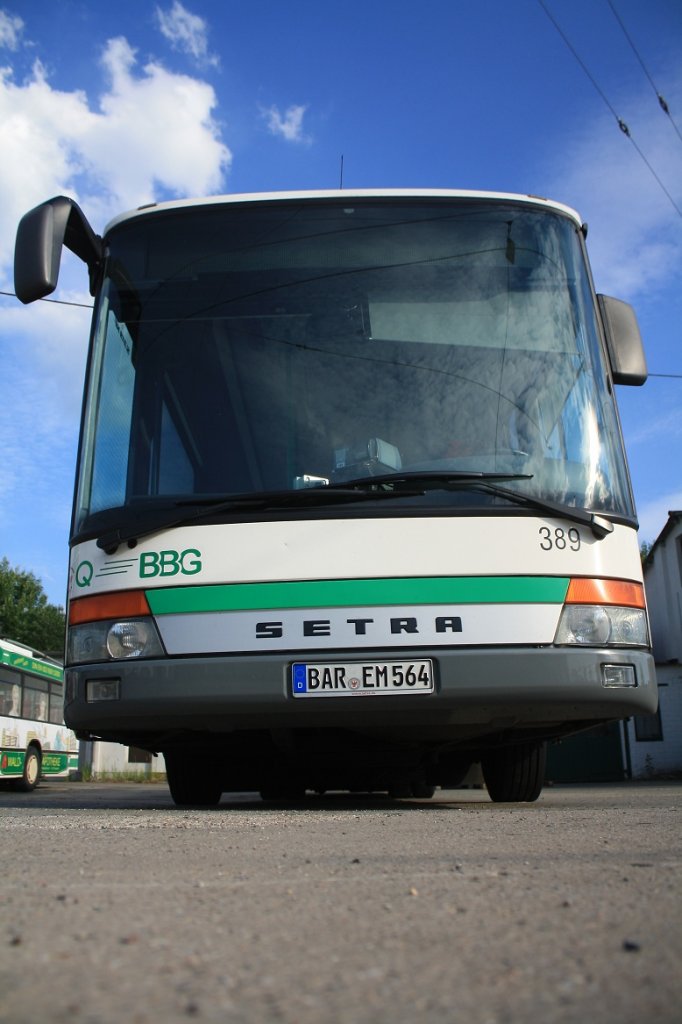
(348, 194)
(26, 660)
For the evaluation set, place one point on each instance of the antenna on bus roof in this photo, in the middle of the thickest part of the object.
(341, 175)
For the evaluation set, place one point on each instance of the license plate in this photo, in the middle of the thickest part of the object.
(361, 678)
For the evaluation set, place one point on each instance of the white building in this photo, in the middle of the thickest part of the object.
(655, 741)
(112, 760)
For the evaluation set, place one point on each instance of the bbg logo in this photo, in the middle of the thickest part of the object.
(170, 563)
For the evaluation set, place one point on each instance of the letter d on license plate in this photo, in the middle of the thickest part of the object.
(361, 678)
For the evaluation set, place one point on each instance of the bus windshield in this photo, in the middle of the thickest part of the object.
(245, 348)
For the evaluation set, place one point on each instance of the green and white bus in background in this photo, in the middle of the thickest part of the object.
(353, 510)
(33, 738)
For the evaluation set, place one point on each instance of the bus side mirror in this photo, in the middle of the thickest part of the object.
(41, 234)
(623, 341)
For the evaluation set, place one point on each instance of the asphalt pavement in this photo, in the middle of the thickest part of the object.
(119, 907)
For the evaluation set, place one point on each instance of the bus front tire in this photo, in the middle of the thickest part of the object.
(31, 774)
(191, 781)
(515, 774)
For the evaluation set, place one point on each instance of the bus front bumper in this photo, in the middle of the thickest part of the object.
(475, 693)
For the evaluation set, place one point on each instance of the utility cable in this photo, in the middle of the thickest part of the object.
(661, 99)
(57, 302)
(619, 121)
(580, 62)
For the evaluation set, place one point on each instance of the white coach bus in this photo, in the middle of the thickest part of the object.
(353, 509)
(34, 741)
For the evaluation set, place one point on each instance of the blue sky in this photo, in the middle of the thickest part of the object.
(117, 104)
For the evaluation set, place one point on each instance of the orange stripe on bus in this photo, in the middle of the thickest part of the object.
(595, 591)
(120, 605)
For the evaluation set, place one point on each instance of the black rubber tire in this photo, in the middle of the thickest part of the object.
(192, 780)
(423, 790)
(31, 774)
(292, 791)
(515, 774)
(400, 790)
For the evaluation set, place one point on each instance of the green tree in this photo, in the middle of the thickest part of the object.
(25, 613)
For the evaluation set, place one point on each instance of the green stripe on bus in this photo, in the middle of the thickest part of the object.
(31, 665)
(11, 762)
(359, 593)
(55, 764)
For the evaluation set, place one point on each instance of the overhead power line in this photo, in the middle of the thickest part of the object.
(619, 120)
(661, 99)
(57, 302)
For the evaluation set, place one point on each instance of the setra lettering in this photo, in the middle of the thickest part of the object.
(317, 627)
(407, 625)
(360, 625)
(448, 624)
(269, 630)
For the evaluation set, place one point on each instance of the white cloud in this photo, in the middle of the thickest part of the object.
(288, 125)
(154, 131)
(11, 28)
(186, 32)
(161, 127)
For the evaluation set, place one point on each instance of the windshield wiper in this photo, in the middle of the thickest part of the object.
(433, 478)
(488, 482)
(366, 489)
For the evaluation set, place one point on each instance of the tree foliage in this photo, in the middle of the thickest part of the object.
(25, 613)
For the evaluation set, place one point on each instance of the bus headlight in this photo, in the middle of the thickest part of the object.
(597, 626)
(135, 639)
(115, 640)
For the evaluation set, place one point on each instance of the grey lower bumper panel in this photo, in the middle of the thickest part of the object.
(476, 692)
